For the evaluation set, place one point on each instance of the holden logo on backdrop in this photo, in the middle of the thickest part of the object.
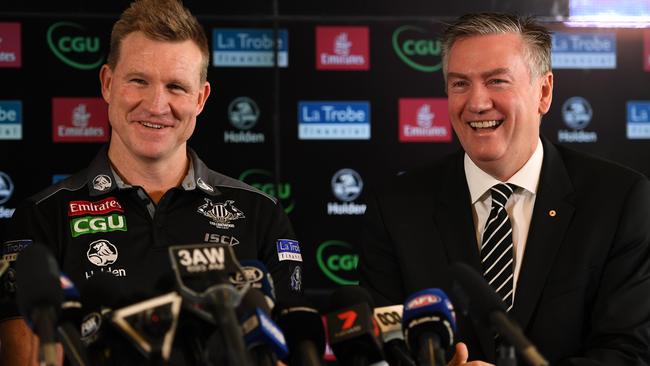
(265, 182)
(577, 113)
(243, 114)
(338, 261)
(6, 191)
(347, 185)
(74, 46)
(417, 48)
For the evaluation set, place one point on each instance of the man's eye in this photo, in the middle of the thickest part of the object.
(497, 81)
(138, 81)
(458, 84)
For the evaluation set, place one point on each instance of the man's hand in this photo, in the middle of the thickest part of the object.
(461, 356)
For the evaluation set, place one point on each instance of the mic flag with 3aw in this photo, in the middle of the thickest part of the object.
(485, 306)
(202, 273)
(353, 332)
(39, 296)
(429, 324)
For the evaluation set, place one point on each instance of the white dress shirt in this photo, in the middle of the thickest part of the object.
(519, 206)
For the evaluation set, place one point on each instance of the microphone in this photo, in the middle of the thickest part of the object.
(389, 319)
(202, 273)
(304, 331)
(429, 324)
(151, 324)
(68, 330)
(257, 275)
(486, 306)
(351, 327)
(263, 337)
(99, 296)
(39, 296)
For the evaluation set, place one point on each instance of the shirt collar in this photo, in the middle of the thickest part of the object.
(102, 178)
(527, 177)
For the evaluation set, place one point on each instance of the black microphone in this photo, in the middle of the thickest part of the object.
(101, 293)
(486, 306)
(39, 296)
(263, 337)
(68, 328)
(202, 273)
(429, 325)
(258, 276)
(304, 332)
(389, 319)
(353, 332)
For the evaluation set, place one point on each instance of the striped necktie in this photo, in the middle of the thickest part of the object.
(497, 258)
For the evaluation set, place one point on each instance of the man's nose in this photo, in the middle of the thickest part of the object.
(479, 99)
(157, 100)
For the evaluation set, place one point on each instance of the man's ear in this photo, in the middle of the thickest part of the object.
(204, 93)
(105, 78)
(546, 95)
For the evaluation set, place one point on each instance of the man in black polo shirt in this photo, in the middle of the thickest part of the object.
(147, 190)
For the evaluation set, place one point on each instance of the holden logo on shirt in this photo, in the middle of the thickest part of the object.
(102, 182)
(102, 253)
(221, 214)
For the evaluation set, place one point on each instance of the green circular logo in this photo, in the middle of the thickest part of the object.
(338, 261)
(420, 53)
(71, 48)
(263, 180)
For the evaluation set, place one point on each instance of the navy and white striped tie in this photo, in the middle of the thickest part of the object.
(497, 258)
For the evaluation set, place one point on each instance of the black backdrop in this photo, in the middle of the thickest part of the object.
(299, 171)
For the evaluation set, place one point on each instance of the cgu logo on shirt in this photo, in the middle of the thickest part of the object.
(97, 224)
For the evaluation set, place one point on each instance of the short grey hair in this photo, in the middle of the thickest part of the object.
(535, 36)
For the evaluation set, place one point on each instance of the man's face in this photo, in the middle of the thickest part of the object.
(494, 106)
(154, 95)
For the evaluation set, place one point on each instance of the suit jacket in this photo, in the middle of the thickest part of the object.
(583, 294)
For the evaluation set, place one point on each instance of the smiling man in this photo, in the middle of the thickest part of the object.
(147, 190)
(562, 237)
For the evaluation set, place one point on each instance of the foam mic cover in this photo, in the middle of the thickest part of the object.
(486, 307)
(37, 281)
(304, 331)
(352, 330)
(259, 277)
(39, 296)
(258, 328)
(429, 311)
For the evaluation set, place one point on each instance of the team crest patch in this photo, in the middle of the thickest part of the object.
(102, 182)
(221, 214)
(288, 250)
(296, 279)
(102, 253)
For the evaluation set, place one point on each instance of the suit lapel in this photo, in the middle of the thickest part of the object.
(551, 216)
(453, 215)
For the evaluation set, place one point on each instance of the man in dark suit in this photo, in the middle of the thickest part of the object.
(565, 243)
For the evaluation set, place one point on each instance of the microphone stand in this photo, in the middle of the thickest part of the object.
(228, 325)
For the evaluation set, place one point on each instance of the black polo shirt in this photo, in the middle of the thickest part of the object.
(93, 222)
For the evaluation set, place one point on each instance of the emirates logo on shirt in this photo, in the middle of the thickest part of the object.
(78, 208)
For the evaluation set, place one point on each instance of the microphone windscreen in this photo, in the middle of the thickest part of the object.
(37, 280)
(102, 290)
(253, 299)
(350, 295)
(482, 298)
(300, 321)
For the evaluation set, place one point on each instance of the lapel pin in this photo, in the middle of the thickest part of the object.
(552, 213)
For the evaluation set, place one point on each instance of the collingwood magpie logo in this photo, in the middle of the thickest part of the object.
(221, 214)
(102, 182)
(102, 253)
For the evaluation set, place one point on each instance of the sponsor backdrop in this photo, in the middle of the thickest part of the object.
(360, 99)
